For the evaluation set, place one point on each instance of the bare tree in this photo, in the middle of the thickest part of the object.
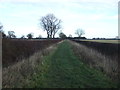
(23, 37)
(40, 36)
(11, 34)
(1, 31)
(50, 24)
(30, 35)
(1, 27)
(79, 32)
(62, 35)
(70, 35)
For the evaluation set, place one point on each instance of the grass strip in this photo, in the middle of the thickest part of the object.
(62, 69)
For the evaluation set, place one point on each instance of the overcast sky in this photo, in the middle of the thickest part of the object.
(99, 18)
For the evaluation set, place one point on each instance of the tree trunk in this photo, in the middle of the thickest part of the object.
(48, 35)
(54, 35)
(51, 34)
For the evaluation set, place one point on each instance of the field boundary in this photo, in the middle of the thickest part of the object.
(101, 41)
(0, 60)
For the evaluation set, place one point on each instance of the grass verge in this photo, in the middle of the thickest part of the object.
(104, 41)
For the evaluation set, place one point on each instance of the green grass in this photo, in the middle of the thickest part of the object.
(104, 41)
(62, 69)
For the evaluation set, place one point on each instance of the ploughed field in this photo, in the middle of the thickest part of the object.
(14, 50)
(109, 49)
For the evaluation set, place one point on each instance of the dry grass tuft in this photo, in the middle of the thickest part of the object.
(96, 60)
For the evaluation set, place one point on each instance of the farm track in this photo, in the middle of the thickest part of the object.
(62, 69)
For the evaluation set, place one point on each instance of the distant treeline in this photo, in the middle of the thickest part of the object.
(92, 38)
(37, 38)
